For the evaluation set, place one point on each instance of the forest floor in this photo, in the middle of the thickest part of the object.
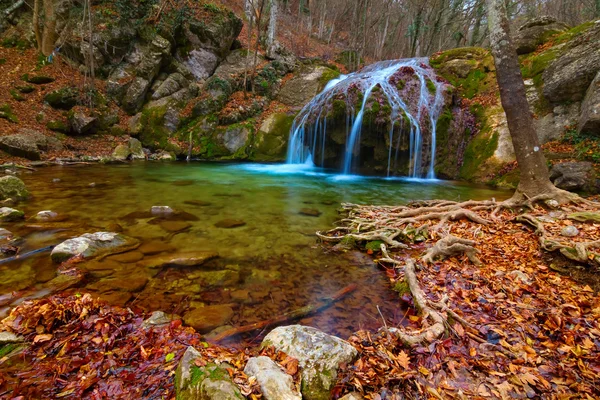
(527, 324)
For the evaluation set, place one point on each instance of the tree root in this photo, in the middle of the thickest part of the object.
(450, 246)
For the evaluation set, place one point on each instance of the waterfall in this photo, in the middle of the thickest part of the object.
(408, 90)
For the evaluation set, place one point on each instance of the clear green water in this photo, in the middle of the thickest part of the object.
(279, 264)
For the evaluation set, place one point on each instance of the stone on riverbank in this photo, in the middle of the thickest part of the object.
(319, 356)
(274, 383)
(8, 214)
(93, 245)
(205, 319)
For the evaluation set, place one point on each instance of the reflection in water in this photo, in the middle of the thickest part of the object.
(270, 262)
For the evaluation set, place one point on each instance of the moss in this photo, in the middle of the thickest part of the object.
(572, 33)
(430, 86)
(2, 61)
(473, 83)
(16, 95)
(400, 84)
(374, 245)
(153, 133)
(37, 79)
(6, 112)
(534, 65)
(8, 348)
(445, 160)
(25, 89)
(348, 241)
(15, 42)
(480, 148)
(57, 126)
(338, 109)
(327, 76)
(509, 180)
(459, 53)
(402, 288)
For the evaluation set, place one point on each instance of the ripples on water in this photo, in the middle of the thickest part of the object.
(279, 263)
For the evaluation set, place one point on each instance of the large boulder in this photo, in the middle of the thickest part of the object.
(208, 382)
(574, 176)
(568, 77)
(300, 90)
(29, 144)
(235, 138)
(271, 140)
(81, 123)
(589, 120)
(203, 44)
(537, 32)
(91, 245)
(63, 99)
(132, 150)
(319, 356)
(274, 383)
(12, 187)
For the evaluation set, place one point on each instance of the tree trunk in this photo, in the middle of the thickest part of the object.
(49, 35)
(36, 23)
(597, 8)
(532, 163)
(272, 31)
(249, 10)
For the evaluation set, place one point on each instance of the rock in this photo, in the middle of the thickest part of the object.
(10, 214)
(121, 152)
(537, 32)
(12, 187)
(157, 318)
(319, 356)
(161, 210)
(568, 77)
(155, 247)
(552, 126)
(352, 396)
(187, 259)
(131, 150)
(240, 295)
(129, 257)
(299, 90)
(574, 176)
(133, 100)
(162, 155)
(216, 278)
(46, 215)
(209, 382)
(274, 383)
(5, 234)
(589, 120)
(174, 226)
(569, 231)
(263, 277)
(172, 84)
(235, 138)
(81, 123)
(230, 223)
(130, 283)
(272, 137)
(63, 99)
(38, 79)
(205, 319)
(92, 245)
(311, 212)
(29, 144)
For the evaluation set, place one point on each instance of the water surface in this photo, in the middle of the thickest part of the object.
(277, 263)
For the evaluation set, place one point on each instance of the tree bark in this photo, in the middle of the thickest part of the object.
(272, 30)
(534, 177)
(36, 23)
(49, 35)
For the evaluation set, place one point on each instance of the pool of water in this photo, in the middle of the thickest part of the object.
(273, 262)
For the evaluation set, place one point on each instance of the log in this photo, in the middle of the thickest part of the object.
(290, 316)
(25, 255)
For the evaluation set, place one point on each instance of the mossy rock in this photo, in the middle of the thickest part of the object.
(2, 61)
(374, 246)
(63, 98)
(6, 112)
(12, 187)
(272, 138)
(16, 95)
(58, 126)
(402, 288)
(38, 79)
(585, 217)
(25, 89)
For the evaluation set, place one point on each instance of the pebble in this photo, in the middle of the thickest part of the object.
(569, 231)
(161, 210)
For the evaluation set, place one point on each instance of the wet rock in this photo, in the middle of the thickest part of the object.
(197, 203)
(187, 259)
(209, 382)
(46, 215)
(5, 234)
(310, 212)
(569, 231)
(12, 187)
(81, 123)
(8, 214)
(29, 144)
(161, 210)
(263, 277)
(155, 247)
(103, 265)
(129, 283)
(92, 245)
(574, 176)
(240, 295)
(205, 319)
(299, 90)
(175, 226)
(319, 356)
(216, 278)
(116, 298)
(129, 257)
(272, 138)
(132, 150)
(230, 223)
(158, 318)
(274, 383)
(537, 32)
(589, 121)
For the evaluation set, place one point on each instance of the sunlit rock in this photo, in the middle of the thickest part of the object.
(92, 245)
(274, 383)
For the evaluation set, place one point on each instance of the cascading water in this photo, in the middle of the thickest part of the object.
(405, 96)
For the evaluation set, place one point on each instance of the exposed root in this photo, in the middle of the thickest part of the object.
(450, 246)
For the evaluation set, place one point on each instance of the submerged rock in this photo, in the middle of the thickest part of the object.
(155, 247)
(161, 210)
(319, 356)
(12, 187)
(46, 215)
(187, 259)
(8, 214)
(230, 223)
(209, 382)
(93, 245)
(274, 383)
(205, 319)
(310, 212)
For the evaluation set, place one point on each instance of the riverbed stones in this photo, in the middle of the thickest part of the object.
(216, 278)
(8, 214)
(183, 259)
(205, 319)
(132, 150)
(12, 187)
(274, 383)
(155, 247)
(230, 223)
(92, 245)
(174, 226)
(310, 212)
(319, 356)
(129, 257)
(5, 234)
(46, 215)
(161, 211)
(209, 382)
